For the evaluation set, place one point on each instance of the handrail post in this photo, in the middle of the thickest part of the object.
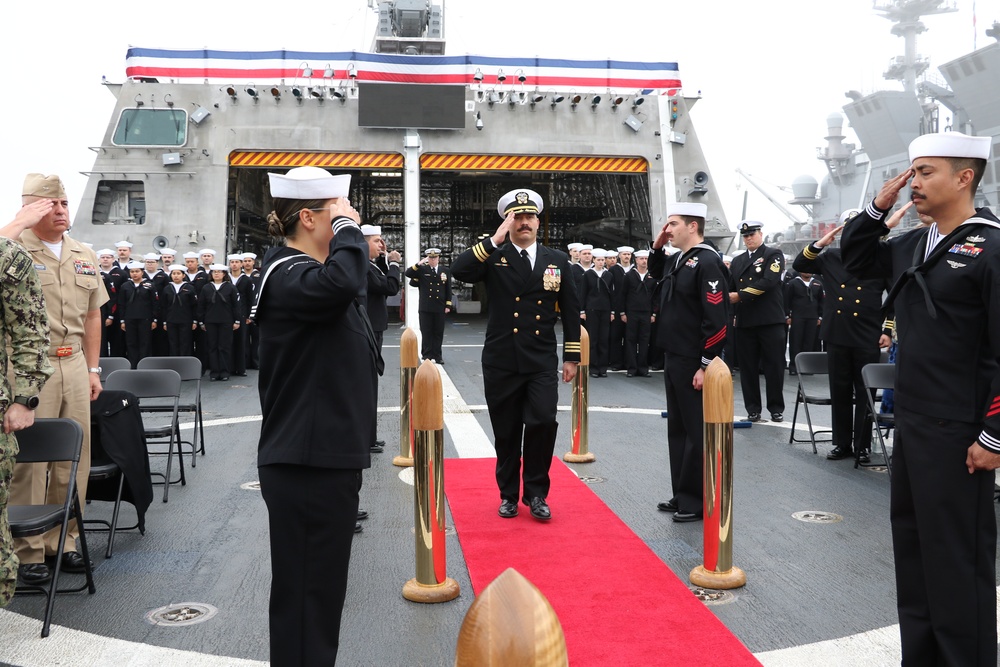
(432, 583)
(579, 447)
(718, 571)
(408, 362)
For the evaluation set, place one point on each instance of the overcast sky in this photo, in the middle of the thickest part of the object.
(769, 72)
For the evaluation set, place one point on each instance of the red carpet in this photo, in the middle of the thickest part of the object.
(618, 603)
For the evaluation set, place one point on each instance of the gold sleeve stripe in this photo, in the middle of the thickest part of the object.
(753, 290)
(808, 253)
(479, 250)
(889, 324)
(572, 347)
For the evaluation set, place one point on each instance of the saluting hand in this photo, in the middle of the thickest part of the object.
(341, 207)
(898, 215)
(394, 256)
(829, 237)
(887, 196)
(501, 233)
(26, 218)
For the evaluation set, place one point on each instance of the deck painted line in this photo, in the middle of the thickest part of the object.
(23, 646)
(468, 436)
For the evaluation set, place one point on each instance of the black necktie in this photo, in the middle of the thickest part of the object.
(527, 260)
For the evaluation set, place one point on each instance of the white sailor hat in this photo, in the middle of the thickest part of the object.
(432, 252)
(688, 208)
(249, 255)
(123, 244)
(574, 246)
(600, 252)
(587, 247)
(133, 265)
(219, 267)
(168, 251)
(309, 183)
(105, 251)
(849, 214)
(206, 251)
(191, 255)
(950, 144)
(237, 256)
(371, 230)
(176, 267)
(641, 253)
(625, 248)
(748, 227)
(521, 200)
(151, 257)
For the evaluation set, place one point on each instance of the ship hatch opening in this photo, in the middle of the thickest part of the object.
(458, 207)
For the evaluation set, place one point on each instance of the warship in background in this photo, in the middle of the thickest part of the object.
(887, 121)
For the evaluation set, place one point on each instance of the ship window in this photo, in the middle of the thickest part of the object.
(151, 127)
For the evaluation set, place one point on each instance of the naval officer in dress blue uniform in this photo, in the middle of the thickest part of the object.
(760, 322)
(435, 301)
(946, 298)
(526, 283)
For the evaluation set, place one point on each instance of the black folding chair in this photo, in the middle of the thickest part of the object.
(52, 440)
(152, 384)
(190, 370)
(879, 377)
(810, 364)
(111, 364)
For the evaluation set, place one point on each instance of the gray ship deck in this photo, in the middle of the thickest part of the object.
(815, 593)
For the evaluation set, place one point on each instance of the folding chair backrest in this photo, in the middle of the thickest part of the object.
(146, 383)
(879, 376)
(50, 440)
(189, 368)
(811, 363)
(111, 364)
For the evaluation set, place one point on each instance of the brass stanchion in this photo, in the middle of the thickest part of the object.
(511, 623)
(408, 362)
(431, 583)
(717, 570)
(580, 452)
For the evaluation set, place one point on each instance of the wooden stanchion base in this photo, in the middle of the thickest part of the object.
(720, 581)
(570, 457)
(402, 461)
(443, 592)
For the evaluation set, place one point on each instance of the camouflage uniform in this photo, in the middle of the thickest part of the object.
(26, 328)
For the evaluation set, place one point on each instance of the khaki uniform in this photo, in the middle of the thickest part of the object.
(25, 325)
(73, 287)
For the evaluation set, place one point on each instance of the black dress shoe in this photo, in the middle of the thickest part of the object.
(645, 375)
(838, 453)
(753, 417)
(687, 517)
(362, 514)
(630, 374)
(439, 362)
(793, 372)
(667, 506)
(224, 378)
(604, 374)
(358, 528)
(377, 447)
(777, 417)
(864, 456)
(508, 509)
(213, 379)
(242, 375)
(74, 563)
(617, 368)
(595, 375)
(34, 573)
(539, 508)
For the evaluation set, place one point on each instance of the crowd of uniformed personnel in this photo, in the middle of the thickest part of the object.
(201, 308)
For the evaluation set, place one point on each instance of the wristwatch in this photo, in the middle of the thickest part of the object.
(96, 369)
(30, 402)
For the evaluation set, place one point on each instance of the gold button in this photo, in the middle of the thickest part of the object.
(855, 314)
(516, 315)
(539, 303)
(536, 332)
(857, 301)
(515, 329)
(843, 287)
(538, 317)
(840, 298)
(517, 298)
(838, 312)
(859, 288)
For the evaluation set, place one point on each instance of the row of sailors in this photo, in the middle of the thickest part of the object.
(616, 306)
(181, 310)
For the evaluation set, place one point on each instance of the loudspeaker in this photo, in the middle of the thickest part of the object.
(160, 242)
(701, 178)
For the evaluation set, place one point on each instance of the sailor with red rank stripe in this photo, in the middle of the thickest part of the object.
(946, 297)
(694, 311)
